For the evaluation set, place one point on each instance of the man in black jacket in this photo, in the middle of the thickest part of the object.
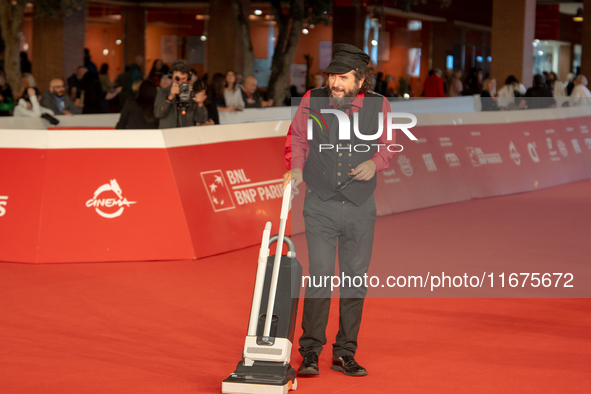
(539, 96)
(339, 207)
(168, 106)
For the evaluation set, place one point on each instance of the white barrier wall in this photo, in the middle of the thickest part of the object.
(110, 120)
(443, 105)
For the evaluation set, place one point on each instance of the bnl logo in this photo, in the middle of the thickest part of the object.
(345, 128)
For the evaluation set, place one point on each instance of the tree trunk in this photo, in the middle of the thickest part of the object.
(287, 40)
(244, 26)
(11, 20)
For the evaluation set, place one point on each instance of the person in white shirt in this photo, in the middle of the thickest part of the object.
(580, 94)
(513, 88)
(232, 94)
(557, 86)
(28, 104)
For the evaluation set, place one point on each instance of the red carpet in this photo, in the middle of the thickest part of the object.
(178, 327)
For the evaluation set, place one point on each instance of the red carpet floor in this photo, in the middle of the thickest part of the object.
(179, 327)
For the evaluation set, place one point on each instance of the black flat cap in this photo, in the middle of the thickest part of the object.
(346, 58)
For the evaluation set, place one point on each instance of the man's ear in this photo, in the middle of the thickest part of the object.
(361, 80)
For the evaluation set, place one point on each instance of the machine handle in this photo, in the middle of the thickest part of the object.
(286, 204)
(286, 240)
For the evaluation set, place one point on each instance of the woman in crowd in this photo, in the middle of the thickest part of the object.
(105, 80)
(488, 96)
(159, 69)
(455, 86)
(474, 81)
(512, 90)
(6, 98)
(570, 83)
(206, 112)
(138, 113)
(217, 91)
(107, 85)
(555, 85)
(93, 96)
(232, 94)
(27, 81)
(28, 104)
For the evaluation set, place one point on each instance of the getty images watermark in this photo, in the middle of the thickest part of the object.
(345, 130)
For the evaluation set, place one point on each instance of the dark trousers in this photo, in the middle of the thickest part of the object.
(330, 225)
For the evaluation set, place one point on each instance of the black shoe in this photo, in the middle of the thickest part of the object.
(348, 366)
(310, 365)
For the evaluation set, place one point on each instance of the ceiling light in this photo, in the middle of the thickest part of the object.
(579, 16)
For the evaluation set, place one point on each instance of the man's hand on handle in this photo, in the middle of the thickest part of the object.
(295, 174)
(363, 172)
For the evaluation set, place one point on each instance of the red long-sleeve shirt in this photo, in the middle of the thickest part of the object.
(433, 86)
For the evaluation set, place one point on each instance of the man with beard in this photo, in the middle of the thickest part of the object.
(339, 207)
(58, 101)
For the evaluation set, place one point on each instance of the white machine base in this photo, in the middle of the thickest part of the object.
(245, 388)
(279, 352)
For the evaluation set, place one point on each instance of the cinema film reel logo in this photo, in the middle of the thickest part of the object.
(103, 206)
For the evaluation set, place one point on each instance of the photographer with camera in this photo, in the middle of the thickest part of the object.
(174, 105)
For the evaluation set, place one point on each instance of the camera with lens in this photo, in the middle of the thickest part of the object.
(185, 96)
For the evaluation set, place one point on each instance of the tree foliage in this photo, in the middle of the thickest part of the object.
(290, 22)
(291, 16)
(55, 8)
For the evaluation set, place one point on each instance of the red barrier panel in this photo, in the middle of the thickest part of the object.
(192, 193)
(459, 162)
(112, 205)
(71, 205)
(229, 191)
(464, 161)
(22, 173)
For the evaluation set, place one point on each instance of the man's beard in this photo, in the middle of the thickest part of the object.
(340, 102)
(59, 94)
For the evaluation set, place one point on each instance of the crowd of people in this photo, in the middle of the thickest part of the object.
(89, 90)
(139, 98)
(513, 95)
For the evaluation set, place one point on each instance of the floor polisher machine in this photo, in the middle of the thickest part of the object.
(265, 368)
